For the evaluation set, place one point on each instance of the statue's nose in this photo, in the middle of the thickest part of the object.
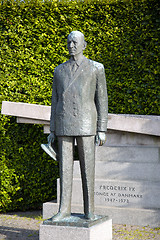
(71, 45)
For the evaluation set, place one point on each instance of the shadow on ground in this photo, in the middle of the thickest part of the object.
(10, 233)
(20, 225)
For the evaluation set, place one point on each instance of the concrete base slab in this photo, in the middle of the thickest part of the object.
(85, 231)
(132, 216)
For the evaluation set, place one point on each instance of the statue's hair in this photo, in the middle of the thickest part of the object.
(78, 33)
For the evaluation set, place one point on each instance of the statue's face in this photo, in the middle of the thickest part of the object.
(75, 44)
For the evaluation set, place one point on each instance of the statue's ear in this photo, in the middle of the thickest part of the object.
(84, 45)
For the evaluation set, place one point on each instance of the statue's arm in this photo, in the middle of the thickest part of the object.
(100, 138)
(51, 137)
(101, 101)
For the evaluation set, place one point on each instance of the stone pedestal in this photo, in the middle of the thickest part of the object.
(77, 228)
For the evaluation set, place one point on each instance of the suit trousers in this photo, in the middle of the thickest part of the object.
(86, 151)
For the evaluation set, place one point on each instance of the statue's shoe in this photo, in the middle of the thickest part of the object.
(58, 217)
(90, 216)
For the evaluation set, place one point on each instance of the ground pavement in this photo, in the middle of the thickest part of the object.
(25, 226)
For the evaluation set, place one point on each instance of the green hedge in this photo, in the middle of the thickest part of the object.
(123, 35)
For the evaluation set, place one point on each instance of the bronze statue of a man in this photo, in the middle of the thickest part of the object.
(79, 111)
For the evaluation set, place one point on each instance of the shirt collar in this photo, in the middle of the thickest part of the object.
(78, 62)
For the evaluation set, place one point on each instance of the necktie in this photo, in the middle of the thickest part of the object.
(74, 67)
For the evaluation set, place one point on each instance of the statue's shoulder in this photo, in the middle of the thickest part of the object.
(96, 65)
(61, 66)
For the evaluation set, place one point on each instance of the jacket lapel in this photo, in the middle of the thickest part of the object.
(74, 77)
(81, 67)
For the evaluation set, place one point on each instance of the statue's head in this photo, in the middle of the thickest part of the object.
(76, 43)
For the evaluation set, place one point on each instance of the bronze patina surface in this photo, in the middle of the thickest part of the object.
(77, 220)
(78, 112)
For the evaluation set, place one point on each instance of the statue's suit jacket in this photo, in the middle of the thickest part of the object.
(79, 101)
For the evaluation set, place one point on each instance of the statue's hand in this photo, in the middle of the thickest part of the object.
(51, 138)
(100, 138)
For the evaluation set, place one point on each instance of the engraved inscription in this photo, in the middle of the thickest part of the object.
(117, 195)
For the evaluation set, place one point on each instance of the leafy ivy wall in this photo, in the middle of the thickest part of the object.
(123, 35)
